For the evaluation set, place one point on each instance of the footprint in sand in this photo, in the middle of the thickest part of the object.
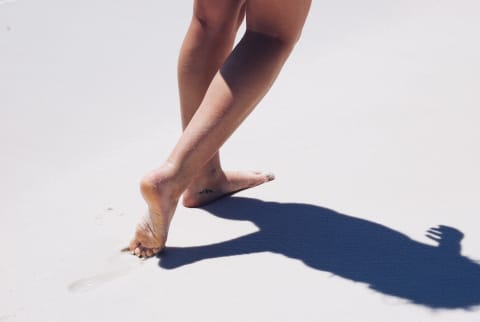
(117, 266)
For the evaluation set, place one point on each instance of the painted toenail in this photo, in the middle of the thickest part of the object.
(270, 176)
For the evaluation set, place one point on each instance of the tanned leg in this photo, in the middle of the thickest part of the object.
(208, 42)
(273, 26)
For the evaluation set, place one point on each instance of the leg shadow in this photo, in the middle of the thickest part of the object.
(353, 248)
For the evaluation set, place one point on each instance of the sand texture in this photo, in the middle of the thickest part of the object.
(372, 131)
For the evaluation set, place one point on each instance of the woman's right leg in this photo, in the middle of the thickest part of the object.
(207, 43)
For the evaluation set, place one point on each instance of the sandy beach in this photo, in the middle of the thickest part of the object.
(371, 130)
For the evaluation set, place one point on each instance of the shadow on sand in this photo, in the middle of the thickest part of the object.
(353, 248)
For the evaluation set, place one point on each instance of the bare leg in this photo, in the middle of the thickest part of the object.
(272, 29)
(207, 44)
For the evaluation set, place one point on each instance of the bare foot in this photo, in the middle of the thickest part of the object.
(151, 233)
(218, 184)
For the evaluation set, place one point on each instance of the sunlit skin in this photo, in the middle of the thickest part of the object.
(218, 89)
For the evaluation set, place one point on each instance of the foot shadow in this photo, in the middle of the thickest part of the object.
(353, 248)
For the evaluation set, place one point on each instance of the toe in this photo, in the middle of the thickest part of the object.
(138, 251)
(133, 244)
(146, 252)
(264, 176)
(253, 179)
(269, 176)
(143, 252)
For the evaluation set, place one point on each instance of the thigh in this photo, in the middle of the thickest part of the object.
(219, 13)
(282, 19)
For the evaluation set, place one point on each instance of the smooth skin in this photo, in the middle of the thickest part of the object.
(218, 89)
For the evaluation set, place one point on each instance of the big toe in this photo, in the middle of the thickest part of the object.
(267, 176)
(252, 179)
(145, 252)
(133, 245)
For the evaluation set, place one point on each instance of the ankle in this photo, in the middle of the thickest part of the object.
(162, 180)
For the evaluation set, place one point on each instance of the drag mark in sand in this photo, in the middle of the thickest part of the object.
(116, 266)
(121, 268)
(92, 282)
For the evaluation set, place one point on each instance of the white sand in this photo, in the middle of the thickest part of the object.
(375, 116)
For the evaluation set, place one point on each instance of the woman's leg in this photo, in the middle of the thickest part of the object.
(207, 44)
(273, 26)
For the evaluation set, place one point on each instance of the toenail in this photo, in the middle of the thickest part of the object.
(270, 176)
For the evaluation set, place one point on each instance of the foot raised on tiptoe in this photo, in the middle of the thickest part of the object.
(160, 193)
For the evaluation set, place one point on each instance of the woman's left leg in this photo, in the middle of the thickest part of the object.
(207, 44)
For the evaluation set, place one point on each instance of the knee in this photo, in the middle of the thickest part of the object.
(215, 21)
(282, 20)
